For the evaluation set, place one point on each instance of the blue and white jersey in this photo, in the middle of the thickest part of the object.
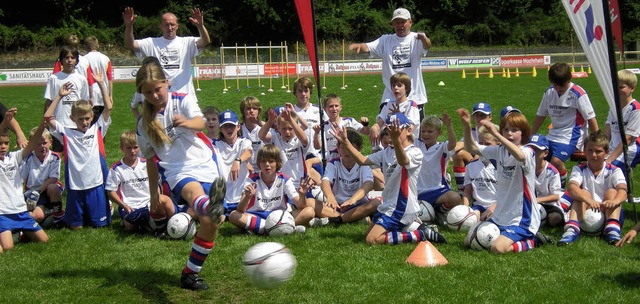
(293, 154)
(80, 91)
(190, 153)
(256, 143)
(11, 197)
(227, 155)
(608, 178)
(516, 203)
(346, 182)
(631, 119)
(480, 174)
(35, 172)
(548, 181)
(409, 108)
(434, 166)
(330, 141)
(400, 195)
(131, 183)
(273, 197)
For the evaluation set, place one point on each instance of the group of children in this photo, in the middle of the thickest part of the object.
(216, 166)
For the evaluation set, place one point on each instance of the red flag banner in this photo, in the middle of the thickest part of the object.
(616, 25)
(305, 14)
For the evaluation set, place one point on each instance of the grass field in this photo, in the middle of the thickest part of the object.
(334, 264)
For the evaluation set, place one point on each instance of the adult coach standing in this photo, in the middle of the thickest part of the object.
(400, 52)
(174, 52)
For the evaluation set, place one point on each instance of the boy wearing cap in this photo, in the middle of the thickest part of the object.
(548, 188)
(507, 110)
(233, 153)
(570, 110)
(481, 112)
(400, 52)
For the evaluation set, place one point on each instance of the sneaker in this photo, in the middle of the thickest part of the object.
(216, 199)
(318, 221)
(541, 239)
(568, 237)
(160, 234)
(612, 238)
(426, 233)
(301, 229)
(192, 281)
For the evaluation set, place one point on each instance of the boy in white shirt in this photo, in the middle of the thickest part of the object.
(250, 110)
(480, 179)
(548, 188)
(627, 82)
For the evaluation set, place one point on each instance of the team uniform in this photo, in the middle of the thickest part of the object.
(293, 154)
(569, 115)
(35, 173)
(432, 182)
(330, 142)
(631, 119)
(80, 91)
(409, 108)
(13, 208)
(175, 56)
(84, 154)
(548, 183)
(256, 143)
(267, 199)
(132, 186)
(401, 54)
(99, 62)
(480, 175)
(516, 212)
(227, 154)
(345, 182)
(312, 116)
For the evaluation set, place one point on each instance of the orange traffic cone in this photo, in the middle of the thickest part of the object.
(426, 255)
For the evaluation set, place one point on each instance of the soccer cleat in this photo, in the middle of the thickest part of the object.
(192, 281)
(541, 239)
(160, 234)
(215, 209)
(426, 233)
(612, 238)
(301, 229)
(568, 237)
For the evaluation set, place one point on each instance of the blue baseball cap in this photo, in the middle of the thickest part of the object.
(482, 107)
(279, 109)
(539, 141)
(506, 110)
(228, 117)
(401, 118)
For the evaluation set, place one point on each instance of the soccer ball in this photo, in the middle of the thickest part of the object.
(181, 226)
(461, 217)
(269, 264)
(592, 222)
(482, 235)
(426, 214)
(280, 222)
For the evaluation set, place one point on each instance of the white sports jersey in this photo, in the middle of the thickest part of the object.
(434, 166)
(137, 100)
(609, 178)
(99, 62)
(409, 108)
(400, 196)
(274, 197)
(631, 119)
(481, 175)
(35, 172)
(131, 183)
(293, 155)
(84, 154)
(11, 197)
(80, 91)
(226, 156)
(256, 143)
(548, 182)
(330, 142)
(516, 203)
(175, 56)
(401, 54)
(345, 182)
(190, 154)
(569, 114)
(311, 115)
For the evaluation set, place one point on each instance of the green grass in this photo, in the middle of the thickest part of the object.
(334, 264)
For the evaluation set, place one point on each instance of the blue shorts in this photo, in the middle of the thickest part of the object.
(139, 217)
(561, 151)
(515, 233)
(178, 188)
(356, 205)
(87, 208)
(432, 196)
(388, 223)
(17, 222)
(479, 208)
(228, 207)
(261, 214)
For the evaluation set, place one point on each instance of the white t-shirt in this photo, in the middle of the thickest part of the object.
(516, 203)
(330, 141)
(481, 175)
(227, 155)
(609, 178)
(99, 62)
(548, 182)
(434, 166)
(409, 108)
(345, 182)
(400, 196)
(274, 197)
(569, 114)
(175, 56)
(256, 143)
(190, 154)
(11, 197)
(131, 183)
(631, 119)
(293, 154)
(35, 172)
(311, 115)
(84, 153)
(401, 54)
(79, 91)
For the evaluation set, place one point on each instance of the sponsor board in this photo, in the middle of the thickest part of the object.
(434, 63)
(524, 61)
(32, 76)
(479, 62)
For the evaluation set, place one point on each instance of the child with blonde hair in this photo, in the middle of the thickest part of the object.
(250, 111)
(480, 179)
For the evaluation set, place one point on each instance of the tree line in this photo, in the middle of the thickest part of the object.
(43, 24)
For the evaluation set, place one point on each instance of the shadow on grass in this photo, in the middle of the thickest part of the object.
(627, 279)
(149, 283)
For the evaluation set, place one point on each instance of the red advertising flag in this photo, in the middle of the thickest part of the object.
(616, 25)
(307, 22)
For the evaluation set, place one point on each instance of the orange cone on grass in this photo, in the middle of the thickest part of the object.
(426, 255)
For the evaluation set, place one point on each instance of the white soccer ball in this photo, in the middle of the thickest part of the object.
(592, 222)
(426, 214)
(482, 235)
(269, 264)
(181, 226)
(461, 217)
(279, 222)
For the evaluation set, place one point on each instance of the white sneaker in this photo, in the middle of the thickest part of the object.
(301, 229)
(317, 221)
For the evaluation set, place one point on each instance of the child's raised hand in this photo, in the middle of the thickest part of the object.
(289, 107)
(10, 114)
(464, 116)
(272, 116)
(97, 75)
(66, 89)
(394, 129)
(364, 120)
(286, 115)
(490, 127)
(250, 189)
(316, 129)
(445, 119)
(340, 133)
(306, 183)
(394, 108)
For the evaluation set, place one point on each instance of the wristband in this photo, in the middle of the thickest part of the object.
(239, 160)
